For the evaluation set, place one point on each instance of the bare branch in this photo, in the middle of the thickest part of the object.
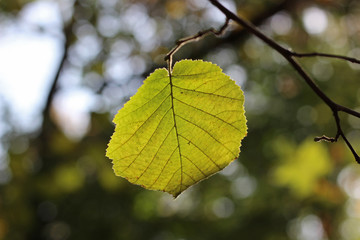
(325, 138)
(315, 54)
(348, 111)
(289, 56)
(67, 32)
(180, 43)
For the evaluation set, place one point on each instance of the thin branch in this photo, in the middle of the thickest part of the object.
(315, 54)
(180, 43)
(47, 125)
(54, 83)
(341, 133)
(348, 111)
(67, 31)
(289, 56)
(357, 158)
(283, 51)
(325, 138)
(235, 36)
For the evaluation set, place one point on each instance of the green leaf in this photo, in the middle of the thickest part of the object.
(177, 130)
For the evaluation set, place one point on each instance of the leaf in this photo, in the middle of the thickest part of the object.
(177, 130)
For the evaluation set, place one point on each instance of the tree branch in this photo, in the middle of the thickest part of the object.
(48, 126)
(234, 36)
(289, 56)
(315, 54)
(182, 42)
(67, 32)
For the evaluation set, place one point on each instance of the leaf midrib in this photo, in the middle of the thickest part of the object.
(176, 129)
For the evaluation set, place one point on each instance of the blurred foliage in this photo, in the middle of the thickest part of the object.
(302, 166)
(57, 184)
(12, 6)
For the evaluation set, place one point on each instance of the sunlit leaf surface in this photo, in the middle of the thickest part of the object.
(179, 129)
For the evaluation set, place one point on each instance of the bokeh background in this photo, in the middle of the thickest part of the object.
(67, 66)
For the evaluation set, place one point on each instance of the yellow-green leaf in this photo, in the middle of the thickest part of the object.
(177, 130)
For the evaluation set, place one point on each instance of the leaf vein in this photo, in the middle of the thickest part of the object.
(146, 144)
(176, 129)
(228, 111)
(132, 135)
(162, 170)
(195, 165)
(208, 93)
(189, 177)
(208, 133)
(229, 83)
(172, 178)
(152, 160)
(210, 114)
(206, 82)
(194, 74)
(202, 151)
(152, 98)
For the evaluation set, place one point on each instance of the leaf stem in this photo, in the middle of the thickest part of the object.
(182, 42)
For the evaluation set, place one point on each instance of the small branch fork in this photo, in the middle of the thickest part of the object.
(290, 57)
(180, 43)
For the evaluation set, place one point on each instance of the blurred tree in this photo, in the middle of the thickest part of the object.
(57, 184)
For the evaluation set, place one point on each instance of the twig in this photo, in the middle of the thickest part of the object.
(180, 43)
(325, 138)
(236, 36)
(315, 54)
(289, 56)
